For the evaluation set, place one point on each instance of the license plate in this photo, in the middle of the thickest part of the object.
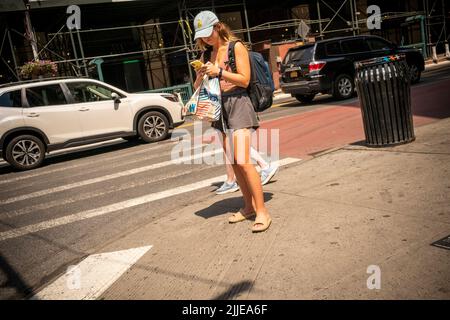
(294, 74)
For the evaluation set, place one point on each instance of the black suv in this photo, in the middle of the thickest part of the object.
(327, 65)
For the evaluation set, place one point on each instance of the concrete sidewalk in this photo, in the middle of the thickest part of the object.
(333, 217)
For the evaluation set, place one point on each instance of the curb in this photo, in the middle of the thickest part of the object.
(440, 60)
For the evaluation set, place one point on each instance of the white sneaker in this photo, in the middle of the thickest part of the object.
(228, 188)
(267, 174)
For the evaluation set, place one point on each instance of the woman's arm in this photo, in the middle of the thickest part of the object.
(242, 77)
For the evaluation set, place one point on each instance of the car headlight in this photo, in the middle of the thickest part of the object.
(171, 97)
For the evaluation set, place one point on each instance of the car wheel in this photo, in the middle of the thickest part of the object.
(25, 152)
(414, 73)
(305, 98)
(153, 126)
(344, 87)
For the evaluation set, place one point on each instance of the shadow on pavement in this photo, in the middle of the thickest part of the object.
(227, 206)
(13, 279)
(359, 143)
(234, 291)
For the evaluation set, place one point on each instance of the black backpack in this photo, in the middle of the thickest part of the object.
(260, 88)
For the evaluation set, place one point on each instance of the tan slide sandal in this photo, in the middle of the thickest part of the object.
(261, 220)
(239, 216)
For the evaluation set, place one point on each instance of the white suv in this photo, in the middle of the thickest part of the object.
(39, 117)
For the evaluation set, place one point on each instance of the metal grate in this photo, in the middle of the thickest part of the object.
(185, 91)
(443, 243)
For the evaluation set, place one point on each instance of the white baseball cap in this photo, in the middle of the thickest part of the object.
(204, 23)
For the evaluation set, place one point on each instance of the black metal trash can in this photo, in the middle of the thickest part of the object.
(383, 86)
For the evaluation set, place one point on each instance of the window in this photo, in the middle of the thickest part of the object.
(45, 96)
(301, 54)
(333, 48)
(89, 92)
(378, 44)
(11, 99)
(320, 51)
(354, 46)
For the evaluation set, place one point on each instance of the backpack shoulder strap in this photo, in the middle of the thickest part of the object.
(231, 56)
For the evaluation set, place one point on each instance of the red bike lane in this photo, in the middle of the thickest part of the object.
(308, 133)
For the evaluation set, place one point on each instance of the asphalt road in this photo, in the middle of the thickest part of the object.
(84, 198)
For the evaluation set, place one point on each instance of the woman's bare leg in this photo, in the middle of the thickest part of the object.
(258, 158)
(248, 177)
(230, 172)
(248, 201)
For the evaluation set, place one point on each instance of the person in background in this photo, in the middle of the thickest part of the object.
(266, 173)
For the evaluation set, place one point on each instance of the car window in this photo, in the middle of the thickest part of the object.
(378, 44)
(333, 48)
(301, 54)
(11, 99)
(354, 46)
(320, 51)
(89, 92)
(42, 96)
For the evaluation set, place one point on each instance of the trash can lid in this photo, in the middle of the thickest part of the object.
(379, 60)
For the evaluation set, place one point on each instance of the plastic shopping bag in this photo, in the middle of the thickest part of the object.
(190, 107)
(206, 102)
(209, 105)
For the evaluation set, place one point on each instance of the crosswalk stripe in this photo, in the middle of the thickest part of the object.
(92, 276)
(91, 194)
(107, 177)
(114, 165)
(18, 232)
(78, 165)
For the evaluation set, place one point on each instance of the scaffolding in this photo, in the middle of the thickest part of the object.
(66, 48)
(436, 25)
(66, 42)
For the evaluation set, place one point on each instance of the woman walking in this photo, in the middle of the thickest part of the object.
(239, 117)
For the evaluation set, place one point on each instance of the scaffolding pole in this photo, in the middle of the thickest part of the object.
(82, 54)
(13, 54)
(355, 7)
(191, 77)
(246, 23)
(436, 26)
(191, 44)
(30, 32)
(74, 51)
(119, 28)
(335, 14)
(48, 42)
(427, 22)
(320, 20)
(352, 17)
(446, 48)
(5, 34)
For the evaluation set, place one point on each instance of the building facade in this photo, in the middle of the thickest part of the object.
(141, 45)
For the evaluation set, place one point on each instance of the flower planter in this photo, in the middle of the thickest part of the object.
(38, 69)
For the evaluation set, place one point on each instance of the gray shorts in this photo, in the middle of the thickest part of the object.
(237, 111)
